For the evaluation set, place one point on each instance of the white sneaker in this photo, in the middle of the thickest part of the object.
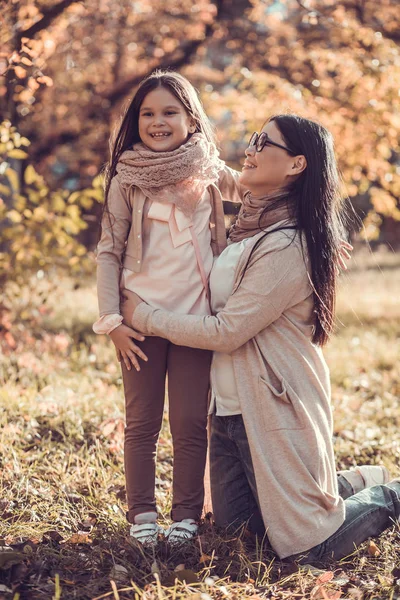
(373, 474)
(146, 533)
(181, 531)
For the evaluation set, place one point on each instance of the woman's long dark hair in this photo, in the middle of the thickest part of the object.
(315, 198)
(127, 133)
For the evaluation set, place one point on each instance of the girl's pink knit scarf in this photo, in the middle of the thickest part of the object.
(180, 176)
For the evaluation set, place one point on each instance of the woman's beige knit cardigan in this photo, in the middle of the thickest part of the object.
(283, 385)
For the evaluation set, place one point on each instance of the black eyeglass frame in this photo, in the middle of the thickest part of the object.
(261, 140)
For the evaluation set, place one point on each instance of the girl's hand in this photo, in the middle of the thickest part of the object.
(129, 301)
(344, 254)
(126, 349)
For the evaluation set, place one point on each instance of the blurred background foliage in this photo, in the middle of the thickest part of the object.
(68, 68)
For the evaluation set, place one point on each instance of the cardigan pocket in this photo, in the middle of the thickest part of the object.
(280, 409)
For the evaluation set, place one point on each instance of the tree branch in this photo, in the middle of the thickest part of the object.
(48, 17)
(173, 60)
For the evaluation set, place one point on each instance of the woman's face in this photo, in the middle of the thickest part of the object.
(164, 124)
(271, 169)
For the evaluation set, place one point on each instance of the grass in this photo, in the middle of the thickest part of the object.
(62, 500)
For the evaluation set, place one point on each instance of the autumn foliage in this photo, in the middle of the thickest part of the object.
(69, 67)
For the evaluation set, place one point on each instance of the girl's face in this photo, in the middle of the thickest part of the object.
(164, 124)
(271, 169)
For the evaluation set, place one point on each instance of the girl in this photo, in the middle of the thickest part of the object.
(162, 223)
(273, 292)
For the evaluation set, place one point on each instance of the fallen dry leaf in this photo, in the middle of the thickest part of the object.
(119, 573)
(205, 558)
(324, 577)
(184, 575)
(78, 538)
(373, 549)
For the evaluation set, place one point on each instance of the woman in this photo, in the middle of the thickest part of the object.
(273, 296)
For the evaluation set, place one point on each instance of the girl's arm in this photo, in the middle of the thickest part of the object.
(274, 281)
(229, 185)
(116, 223)
(115, 226)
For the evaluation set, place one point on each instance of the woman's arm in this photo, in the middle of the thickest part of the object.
(273, 282)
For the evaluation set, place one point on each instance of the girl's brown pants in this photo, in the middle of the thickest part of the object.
(188, 371)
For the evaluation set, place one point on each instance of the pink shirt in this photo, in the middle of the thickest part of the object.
(170, 276)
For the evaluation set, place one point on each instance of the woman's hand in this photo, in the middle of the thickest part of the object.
(122, 337)
(344, 254)
(128, 303)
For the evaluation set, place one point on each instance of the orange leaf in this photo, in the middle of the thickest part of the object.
(324, 577)
(205, 558)
(78, 538)
(20, 72)
(373, 549)
(10, 339)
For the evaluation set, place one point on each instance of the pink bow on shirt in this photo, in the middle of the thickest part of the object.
(179, 224)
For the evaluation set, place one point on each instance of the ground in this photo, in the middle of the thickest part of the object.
(62, 498)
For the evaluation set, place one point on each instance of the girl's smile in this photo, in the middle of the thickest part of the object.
(164, 124)
(160, 134)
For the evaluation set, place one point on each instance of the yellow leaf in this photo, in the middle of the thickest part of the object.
(86, 202)
(20, 154)
(12, 177)
(19, 202)
(30, 175)
(4, 190)
(96, 194)
(73, 197)
(14, 216)
(98, 181)
(40, 214)
(58, 203)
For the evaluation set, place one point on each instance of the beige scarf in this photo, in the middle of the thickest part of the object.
(251, 219)
(179, 177)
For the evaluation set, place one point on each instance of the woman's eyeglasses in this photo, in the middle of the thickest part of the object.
(261, 140)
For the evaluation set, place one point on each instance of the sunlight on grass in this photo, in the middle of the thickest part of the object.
(61, 459)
